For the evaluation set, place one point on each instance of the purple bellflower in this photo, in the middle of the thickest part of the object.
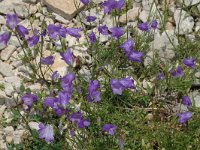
(47, 60)
(117, 32)
(33, 40)
(64, 98)
(92, 38)
(77, 118)
(46, 132)
(178, 72)
(184, 117)
(53, 31)
(67, 56)
(190, 62)
(128, 46)
(118, 85)
(110, 128)
(186, 101)
(136, 56)
(28, 100)
(66, 82)
(4, 38)
(84, 123)
(154, 24)
(91, 18)
(22, 31)
(55, 104)
(144, 26)
(109, 5)
(85, 2)
(74, 32)
(49, 101)
(12, 20)
(94, 93)
(127, 83)
(103, 30)
(160, 76)
(120, 4)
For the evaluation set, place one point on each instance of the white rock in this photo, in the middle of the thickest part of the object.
(5, 69)
(8, 115)
(144, 15)
(108, 21)
(7, 7)
(2, 109)
(2, 20)
(191, 2)
(179, 108)
(3, 98)
(197, 74)
(132, 14)
(198, 7)
(35, 87)
(3, 145)
(34, 125)
(195, 95)
(8, 89)
(146, 4)
(186, 23)
(97, 1)
(197, 25)
(148, 58)
(16, 63)
(18, 136)
(9, 139)
(64, 8)
(7, 52)
(85, 73)
(137, 4)
(60, 18)
(30, 1)
(14, 41)
(9, 130)
(162, 46)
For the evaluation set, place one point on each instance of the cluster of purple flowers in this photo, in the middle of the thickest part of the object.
(119, 85)
(60, 102)
(110, 5)
(77, 118)
(13, 21)
(146, 26)
(184, 117)
(130, 52)
(178, 72)
(54, 31)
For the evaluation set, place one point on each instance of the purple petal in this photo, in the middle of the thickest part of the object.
(67, 56)
(46, 133)
(47, 60)
(12, 20)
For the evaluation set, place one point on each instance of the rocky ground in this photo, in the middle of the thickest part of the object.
(12, 71)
